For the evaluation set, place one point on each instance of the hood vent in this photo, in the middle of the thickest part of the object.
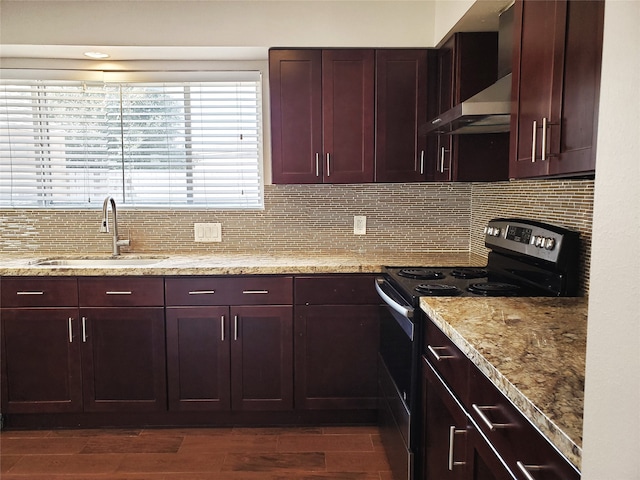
(490, 110)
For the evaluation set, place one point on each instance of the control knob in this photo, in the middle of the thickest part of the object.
(549, 243)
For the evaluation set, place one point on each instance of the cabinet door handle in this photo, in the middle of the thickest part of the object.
(534, 134)
(70, 330)
(452, 433)
(421, 162)
(328, 165)
(255, 292)
(222, 328)
(84, 329)
(525, 469)
(490, 425)
(436, 355)
(202, 292)
(543, 153)
(116, 292)
(235, 327)
(39, 292)
(317, 164)
(442, 150)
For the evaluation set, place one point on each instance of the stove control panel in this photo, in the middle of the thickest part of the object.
(527, 237)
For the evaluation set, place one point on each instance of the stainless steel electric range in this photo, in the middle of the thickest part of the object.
(526, 258)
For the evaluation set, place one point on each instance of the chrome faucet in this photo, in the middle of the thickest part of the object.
(104, 227)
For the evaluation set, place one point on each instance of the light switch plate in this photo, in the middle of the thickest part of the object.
(207, 232)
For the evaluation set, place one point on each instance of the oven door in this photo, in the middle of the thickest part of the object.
(398, 352)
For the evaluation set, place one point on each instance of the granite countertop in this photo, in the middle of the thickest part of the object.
(532, 349)
(237, 264)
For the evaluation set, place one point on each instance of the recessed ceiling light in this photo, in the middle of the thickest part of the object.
(96, 55)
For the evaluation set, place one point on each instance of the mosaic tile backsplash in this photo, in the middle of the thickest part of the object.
(425, 217)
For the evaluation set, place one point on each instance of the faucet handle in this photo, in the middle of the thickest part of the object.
(125, 243)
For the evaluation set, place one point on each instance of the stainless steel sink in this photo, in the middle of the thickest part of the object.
(97, 262)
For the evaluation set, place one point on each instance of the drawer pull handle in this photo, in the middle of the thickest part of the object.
(70, 330)
(30, 293)
(115, 292)
(525, 469)
(490, 425)
(436, 355)
(255, 292)
(452, 433)
(202, 292)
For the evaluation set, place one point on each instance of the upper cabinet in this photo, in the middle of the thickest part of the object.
(322, 115)
(348, 115)
(467, 64)
(556, 85)
(402, 106)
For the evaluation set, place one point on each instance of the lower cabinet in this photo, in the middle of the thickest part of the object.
(445, 429)
(161, 350)
(102, 352)
(471, 431)
(40, 360)
(123, 359)
(230, 357)
(198, 358)
(336, 342)
(262, 358)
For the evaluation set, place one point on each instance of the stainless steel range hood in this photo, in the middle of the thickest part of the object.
(490, 110)
(486, 112)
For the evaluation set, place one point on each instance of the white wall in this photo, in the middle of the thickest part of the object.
(237, 23)
(612, 395)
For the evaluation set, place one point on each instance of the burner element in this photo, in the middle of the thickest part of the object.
(469, 273)
(421, 273)
(437, 290)
(494, 289)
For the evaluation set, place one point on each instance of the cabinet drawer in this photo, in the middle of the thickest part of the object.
(336, 290)
(197, 291)
(520, 444)
(260, 290)
(38, 292)
(447, 360)
(120, 291)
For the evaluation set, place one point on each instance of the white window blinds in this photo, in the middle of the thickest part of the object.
(71, 143)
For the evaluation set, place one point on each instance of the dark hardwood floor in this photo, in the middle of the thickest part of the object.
(305, 453)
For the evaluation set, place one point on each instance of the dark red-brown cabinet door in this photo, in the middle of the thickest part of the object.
(295, 80)
(123, 359)
(401, 109)
(539, 29)
(336, 356)
(198, 368)
(261, 357)
(41, 361)
(556, 80)
(348, 115)
(580, 90)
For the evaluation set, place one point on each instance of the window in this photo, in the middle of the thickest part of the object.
(148, 144)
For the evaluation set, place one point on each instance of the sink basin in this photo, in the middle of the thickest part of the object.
(97, 262)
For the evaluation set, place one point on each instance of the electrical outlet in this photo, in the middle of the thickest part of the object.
(359, 225)
(207, 232)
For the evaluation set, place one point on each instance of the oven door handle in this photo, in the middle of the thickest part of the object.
(404, 310)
